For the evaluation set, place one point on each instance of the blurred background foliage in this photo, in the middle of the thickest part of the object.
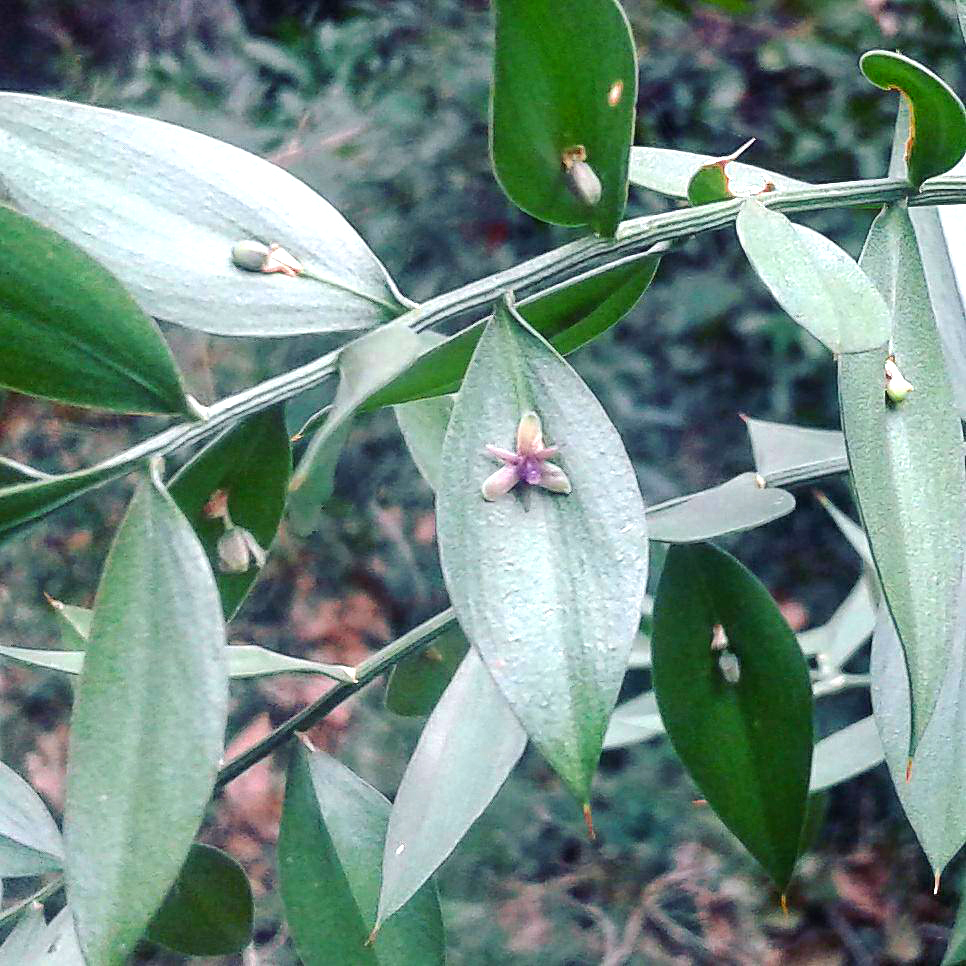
(381, 105)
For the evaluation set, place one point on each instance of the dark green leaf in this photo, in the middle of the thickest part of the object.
(417, 683)
(564, 77)
(938, 119)
(813, 280)
(740, 504)
(329, 858)
(845, 753)
(148, 725)
(161, 207)
(250, 463)
(209, 910)
(70, 331)
(568, 315)
(365, 366)
(423, 423)
(548, 587)
(711, 181)
(791, 454)
(907, 466)
(748, 745)
(29, 840)
(469, 746)
(668, 172)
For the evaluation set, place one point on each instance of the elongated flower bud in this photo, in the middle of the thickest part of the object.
(249, 255)
(584, 183)
(237, 549)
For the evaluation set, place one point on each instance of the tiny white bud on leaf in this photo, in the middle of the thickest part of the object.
(249, 255)
(896, 385)
(729, 667)
(237, 549)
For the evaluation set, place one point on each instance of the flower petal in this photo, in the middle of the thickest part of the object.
(499, 483)
(553, 478)
(501, 454)
(529, 434)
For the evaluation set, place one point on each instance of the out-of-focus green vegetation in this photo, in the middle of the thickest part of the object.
(382, 107)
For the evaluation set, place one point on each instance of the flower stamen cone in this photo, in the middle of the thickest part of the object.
(529, 464)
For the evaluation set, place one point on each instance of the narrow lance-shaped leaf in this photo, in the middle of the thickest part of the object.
(70, 331)
(734, 695)
(937, 130)
(907, 465)
(162, 208)
(564, 96)
(669, 172)
(547, 586)
(30, 842)
(364, 367)
(845, 753)
(209, 910)
(25, 938)
(787, 454)
(469, 746)
(568, 316)
(238, 480)
(329, 856)
(148, 725)
(817, 283)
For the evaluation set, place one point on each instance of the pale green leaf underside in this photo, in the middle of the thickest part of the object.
(786, 454)
(30, 842)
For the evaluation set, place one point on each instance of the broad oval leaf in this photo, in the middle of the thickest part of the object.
(329, 857)
(937, 138)
(418, 682)
(148, 725)
(249, 464)
(845, 753)
(669, 172)
(568, 316)
(468, 747)
(747, 743)
(786, 454)
(70, 331)
(548, 587)
(161, 207)
(30, 842)
(813, 280)
(564, 90)
(739, 504)
(907, 466)
(209, 910)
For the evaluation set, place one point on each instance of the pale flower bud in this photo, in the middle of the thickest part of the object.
(237, 548)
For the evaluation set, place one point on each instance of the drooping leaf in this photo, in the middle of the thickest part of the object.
(934, 796)
(845, 753)
(849, 529)
(148, 725)
(836, 641)
(668, 172)
(548, 587)
(71, 332)
(418, 682)
(248, 464)
(423, 424)
(25, 938)
(329, 857)
(746, 743)
(740, 504)
(568, 316)
(813, 280)
(30, 842)
(937, 135)
(468, 747)
(564, 92)
(162, 207)
(906, 462)
(787, 454)
(634, 721)
(209, 910)
(365, 366)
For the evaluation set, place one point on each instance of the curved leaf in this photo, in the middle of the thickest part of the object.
(148, 726)
(161, 207)
(937, 136)
(669, 172)
(548, 587)
(907, 466)
(747, 744)
(418, 682)
(568, 316)
(423, 424)
(712, 182)
(250, 464)
(739, 504)
(209, 910)
(70, 331)
(564, 76)
(845, 753)
(468, 747)
(329, 855)
(787, 454)
(30, 842)
(813, 280)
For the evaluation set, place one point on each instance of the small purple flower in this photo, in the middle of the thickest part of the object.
(529, 464)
